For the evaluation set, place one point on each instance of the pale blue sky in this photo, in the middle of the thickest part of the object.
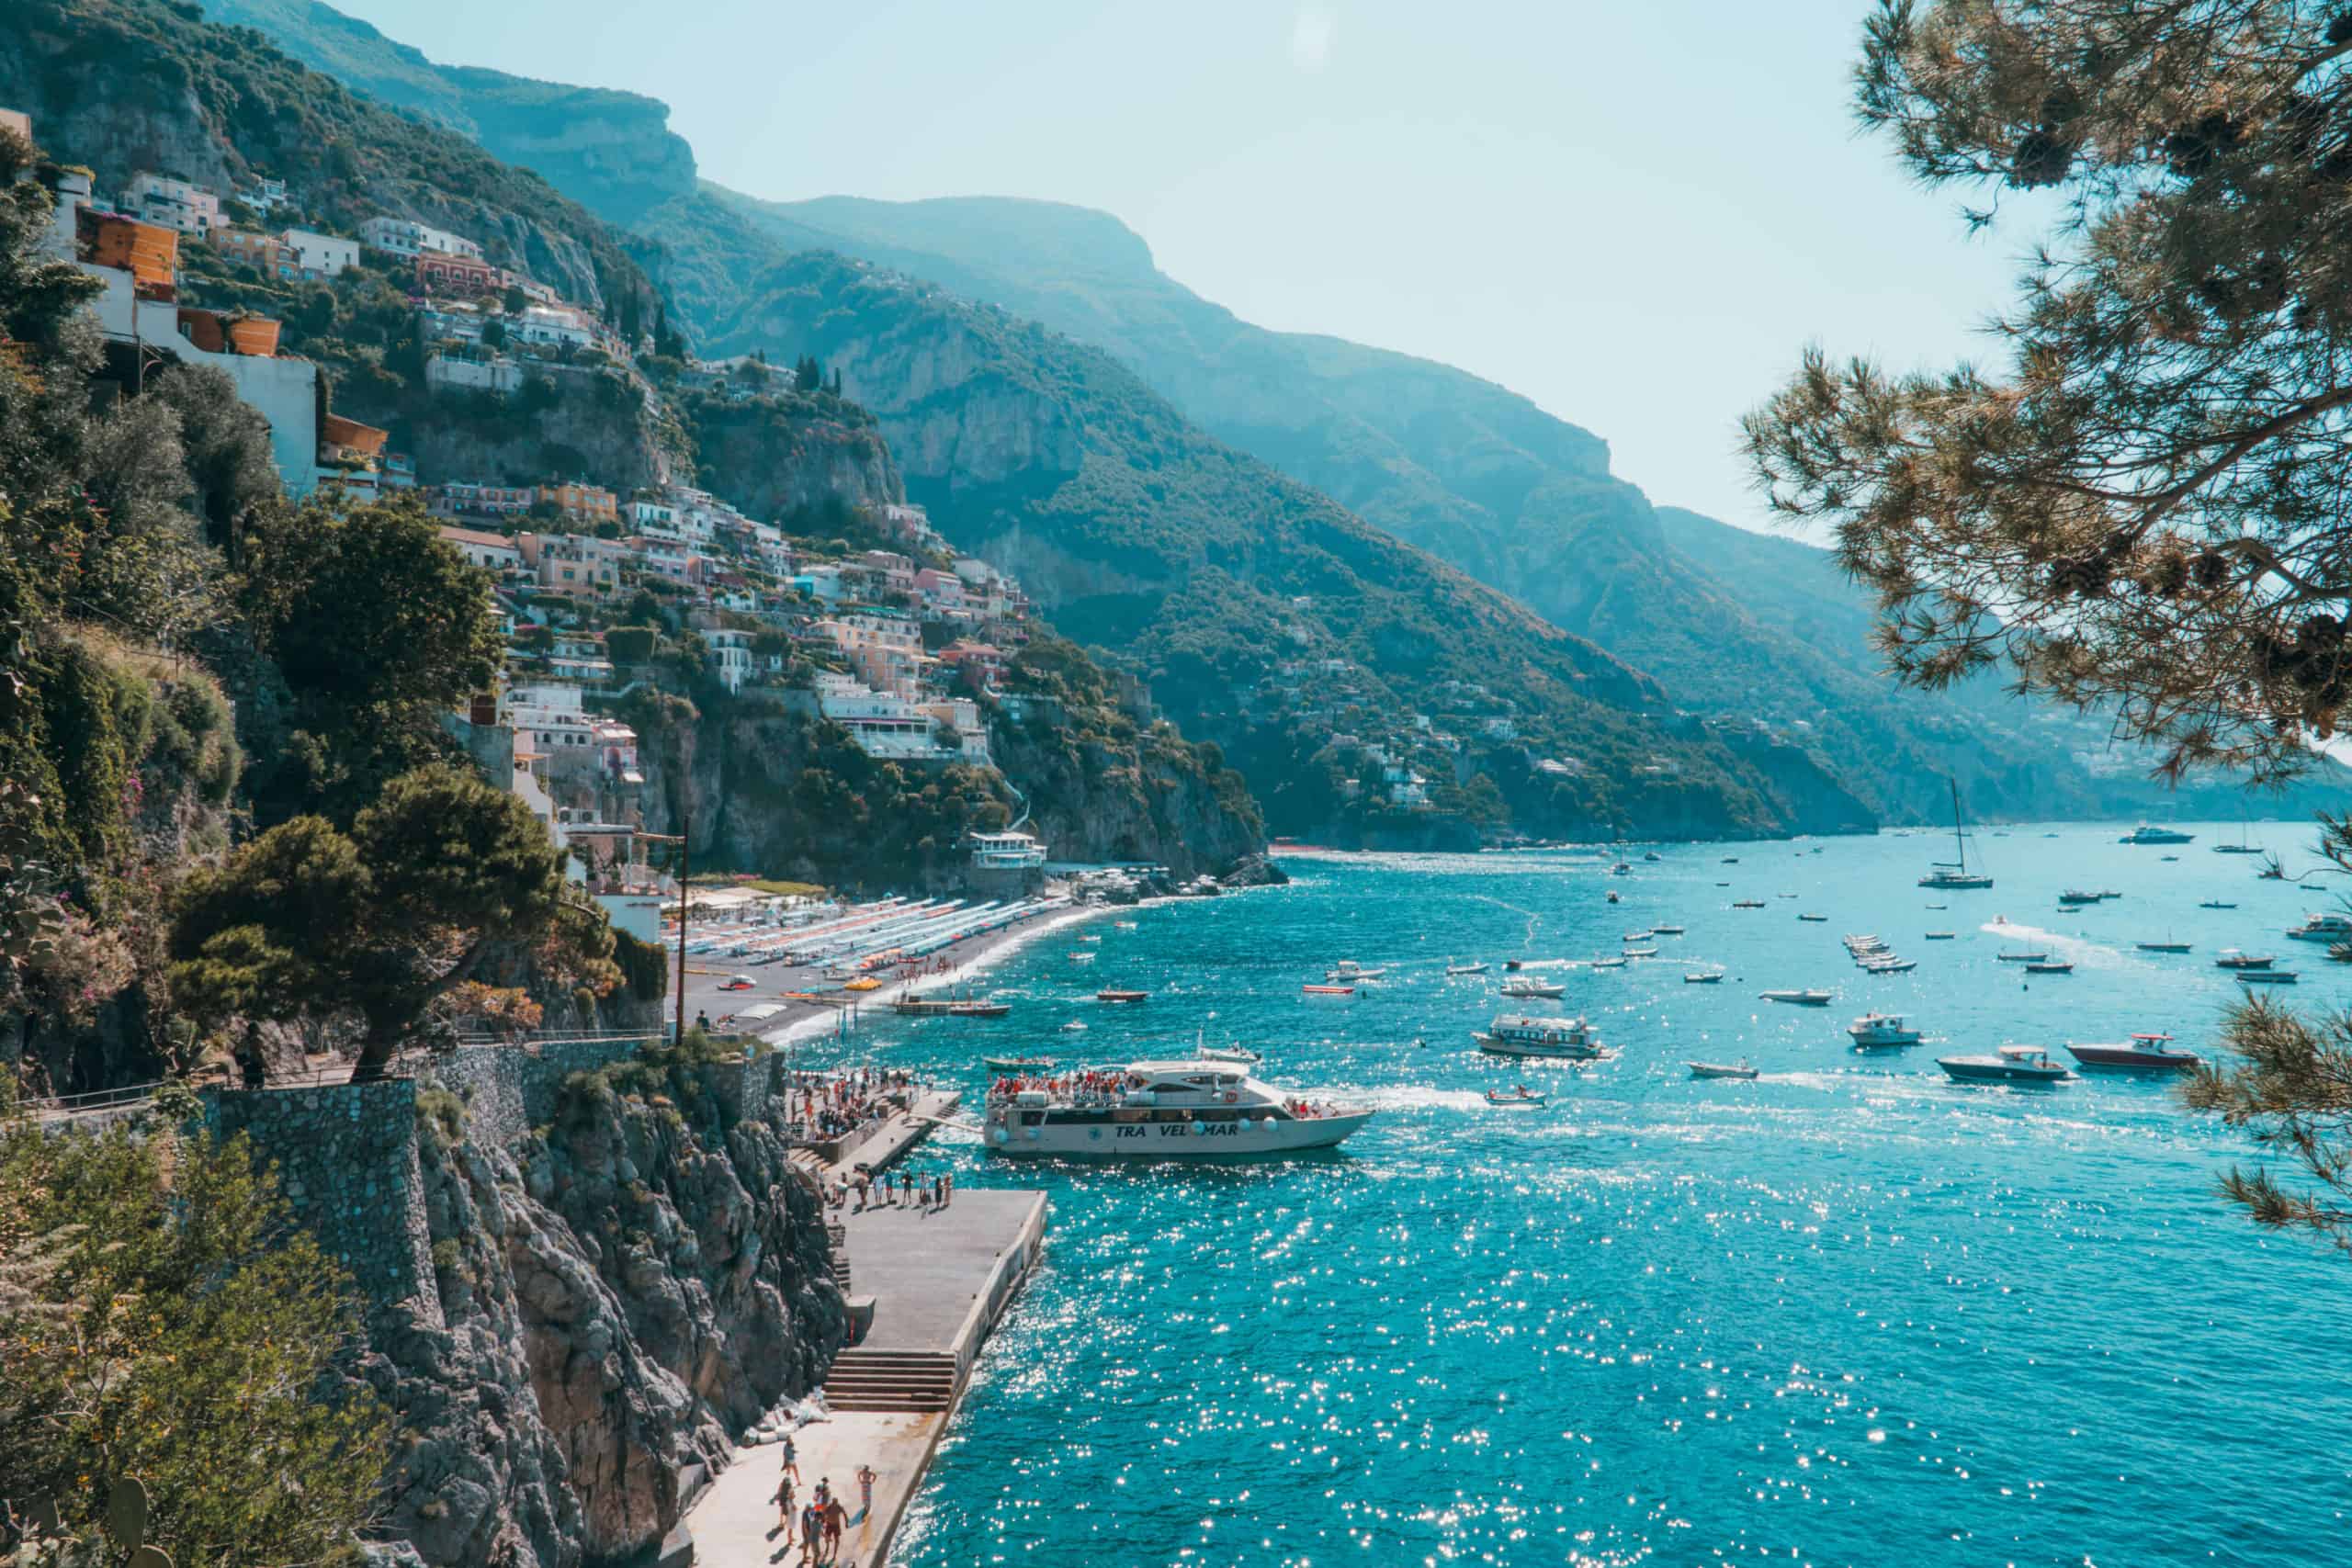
(1635, 213)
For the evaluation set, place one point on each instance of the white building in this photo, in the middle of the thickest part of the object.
(492, 373)
(326, 255)
(729, 656)
(491, 552)
(406, 237)
(172, 204)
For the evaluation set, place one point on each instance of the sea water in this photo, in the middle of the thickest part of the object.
(1849, 1312)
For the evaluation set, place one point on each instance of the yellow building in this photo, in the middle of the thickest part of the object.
(583, 502)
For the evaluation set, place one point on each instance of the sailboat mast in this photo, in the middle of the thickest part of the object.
(1959, 838)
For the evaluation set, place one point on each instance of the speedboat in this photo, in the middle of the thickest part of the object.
(2328, 927)
(2147, 834)
(1525, 989)
(1641, 953)
(1083, 957)
(1466, 968)
(2217, 904)
(1712, 978)
(2144, 1053)
(1637, 936)
(1798, 999)
(1544, 1038)
(1119, 995)
(2076, 896)
(1523, 1097)
(1720, 1069)
(1748, 903)
(1881, 1032)
(1598, 962)
(1157, 1110)
(1347, 971)
(2011, 1064)
(1234, 1054)
(2232, 958)
(2266, 978)
(2049, 966)
(1816, 918)
(1665, 931)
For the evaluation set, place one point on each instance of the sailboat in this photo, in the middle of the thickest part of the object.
(2245, 846)
(1955, 873)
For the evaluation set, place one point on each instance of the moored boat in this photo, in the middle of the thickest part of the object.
(1524, 1097)
(1347, 971)
(1540, 1039)
(1881, 1032)
(2266, 978)
(1720, 1069)
(2147, 833)
(1815, 919)
(1018, 1063)
(1312, 989)
(1665, 931)
(2036, 955)
(1797, 998)
(2167, 945)
(2231, 958)
(1939, 936)
(2050, 966)
(1234, 1054)
(1466, 968)
(2142, 1052)
(2324, 927)
(2011, 1064)
(1525, 989)
(1748, 903)
(1953, 874)
(1160, 1109)
(1114, 995)
(1710, 978)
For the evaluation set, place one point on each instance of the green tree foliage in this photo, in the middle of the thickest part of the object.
(161, 1318)
(379, 923)
(2142, 502)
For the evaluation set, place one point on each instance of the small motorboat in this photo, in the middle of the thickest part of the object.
(1018, 1063)
(2217, 904)
(1748, 903)
(1712, 978)
(1665, 931)
(1524, 1097)
(1313, 989)
(2076, 896)
(1939, 936)
(1889, 964)
(1812, 919)
(2142, 1052)
(1466, 968)
(1641, 953)
(2011, 1064)
(2041, 955)
(1081, 957)
(1797, 998)
(1091, 938)
(1608, 963)
(2167, 945)
(1881, 1032)
(1783, 895)
(1636, 936)
(1348, 971)
(1122, 925)
(1546, 989)
(1720, 1069)
(1073, 1027)
(2232, 958)
(2266, 976)
(1729, 860)
(1118, 996)
(1233, 1054)
(1939, 906)
(1514, 962)
(2050, 966)
(1652, 855)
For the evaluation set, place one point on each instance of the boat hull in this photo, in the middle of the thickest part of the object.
(2125, 1057)
(1965, 1071)
(1513, 1049)
(1242, 1137)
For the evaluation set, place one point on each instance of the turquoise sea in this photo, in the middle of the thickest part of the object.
(1850, 1312)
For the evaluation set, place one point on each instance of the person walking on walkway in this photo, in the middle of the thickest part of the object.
(791, 1455)
(783, 1501)
(866, 1478)
(834, 1517)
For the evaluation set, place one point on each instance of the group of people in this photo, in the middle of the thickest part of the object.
(827, 1106)
(885, 1189)
(821, 1519)
(1091, 1086)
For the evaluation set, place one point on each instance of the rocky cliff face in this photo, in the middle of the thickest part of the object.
(620, 1293)
(772, 457)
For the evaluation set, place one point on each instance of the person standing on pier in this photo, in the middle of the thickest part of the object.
(834, 1517)
(866, 1478)
(791, 1456)
(783, 1499)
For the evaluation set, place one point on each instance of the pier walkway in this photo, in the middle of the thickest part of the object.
(940, 1283)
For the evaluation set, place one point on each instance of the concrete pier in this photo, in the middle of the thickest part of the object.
(940, 1280)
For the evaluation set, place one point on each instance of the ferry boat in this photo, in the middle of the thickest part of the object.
(1163, 1109)
(1798, 999)
(1523, 989)
(2322, 928)
(1953, 874)
(2011, 1064)
(2147, 833)
(2142, 1052)
(1881, 1032)
(1347, 971)
(1545, 1039)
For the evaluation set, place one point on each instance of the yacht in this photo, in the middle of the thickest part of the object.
(2011, 1064)
(1548, 1039)
(2143, 1053)
(1160, 1109)
(2147, 833)
(2245, 846)
(1798, 999)
(1347, 971)
(1881, 1031)
(1524, 989)
(1954, 875)
(2322, 928)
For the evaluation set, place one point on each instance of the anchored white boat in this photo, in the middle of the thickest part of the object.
(2142, 1052)
(1881, 1031)
(2146, 833)
(1540, 1039)
(2325, 927)
(1347, 971)
(1466, 968)
(1739, 1069)
(1798, 999)
(1954, 873)
(1237, 1055)
(1161, 1110)
(2011, 1064)
(1524, 988)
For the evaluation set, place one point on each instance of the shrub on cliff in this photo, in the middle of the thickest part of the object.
(161, 1318)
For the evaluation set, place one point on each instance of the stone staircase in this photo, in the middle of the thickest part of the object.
(891, 1379)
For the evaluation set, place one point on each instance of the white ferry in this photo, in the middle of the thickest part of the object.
(2327, 927)
(1160, 1111)
(1547, 1039)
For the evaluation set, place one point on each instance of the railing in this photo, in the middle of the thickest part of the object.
(95, 1100)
